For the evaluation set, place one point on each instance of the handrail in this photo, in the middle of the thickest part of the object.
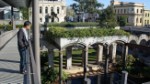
(31, 77)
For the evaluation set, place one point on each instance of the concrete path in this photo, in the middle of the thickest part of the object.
(9, 64)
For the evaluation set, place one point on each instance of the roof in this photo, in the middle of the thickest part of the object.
(2, 3)
(15, 3)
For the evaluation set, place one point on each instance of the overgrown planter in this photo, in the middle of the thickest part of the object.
(63, 37)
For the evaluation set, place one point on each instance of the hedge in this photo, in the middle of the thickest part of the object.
(73, 24)
(9, 27)
(58, 32)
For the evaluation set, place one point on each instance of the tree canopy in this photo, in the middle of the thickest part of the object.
(108, 18)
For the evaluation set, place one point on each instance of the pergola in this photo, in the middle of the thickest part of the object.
(35, 25)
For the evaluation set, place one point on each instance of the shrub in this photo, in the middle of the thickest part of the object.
(73, 24)
(51, 75)
(57, 32)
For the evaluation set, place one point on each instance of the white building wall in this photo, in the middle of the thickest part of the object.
(55, 4)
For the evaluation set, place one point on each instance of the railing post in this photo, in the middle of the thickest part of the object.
(51, 58)
(60, 66)
(125, 54)
(106, 67)
(36, 35)
(124, 77)
(85, 59)
(69, 58)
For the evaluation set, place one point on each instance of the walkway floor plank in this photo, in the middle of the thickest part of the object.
(9, 64)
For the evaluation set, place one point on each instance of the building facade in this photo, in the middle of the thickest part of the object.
(46, 7)
(147, 18)
(134, 12)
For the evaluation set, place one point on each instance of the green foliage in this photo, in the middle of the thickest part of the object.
(9, 27)
(51, 75)
(73, 24)
(6, 27)
(25, 12)
(57, 32)
(108, 18)
(130, 60)
(122, 20)
(86, 6)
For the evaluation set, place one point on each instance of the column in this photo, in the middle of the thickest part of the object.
(69, 58)
(124, 77)
(113, 52)
(125, 54)
(99, 54)
(36, 36)
(50, 58)
(60, 66)
(85, 60)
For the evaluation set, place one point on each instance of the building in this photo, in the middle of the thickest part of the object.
(5, 13)
(134, 12)
(147, 18)
(46, 7)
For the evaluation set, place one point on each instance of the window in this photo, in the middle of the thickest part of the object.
(58, 10)
(148, 14)
(125, 11)
(137, 20)
(52, 9)
(147, 21)
(46, 9)
(137, 10)
(141, 20)
(145, 14)
(121, 11)
(40, 19)
(141, 11)
(40, 9)
(127, 20)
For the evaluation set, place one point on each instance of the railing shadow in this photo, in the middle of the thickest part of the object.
(8, 70)
(5, 60)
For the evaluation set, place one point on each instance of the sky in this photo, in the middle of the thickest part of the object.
(107, 2)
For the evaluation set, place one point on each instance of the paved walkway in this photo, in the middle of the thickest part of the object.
(9, 64)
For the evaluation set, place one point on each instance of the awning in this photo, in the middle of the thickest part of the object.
(2, 3)
(15, 3)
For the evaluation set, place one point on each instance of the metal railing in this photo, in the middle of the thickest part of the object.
(31, 76)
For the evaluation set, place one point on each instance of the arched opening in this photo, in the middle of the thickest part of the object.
(142, 52)
(74, 55)
(117, 50)
(132, 49)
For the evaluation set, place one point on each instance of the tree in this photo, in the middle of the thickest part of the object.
(122, 20)
(25, 13)
(92, 7)
(108, 18)
(86, 6)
